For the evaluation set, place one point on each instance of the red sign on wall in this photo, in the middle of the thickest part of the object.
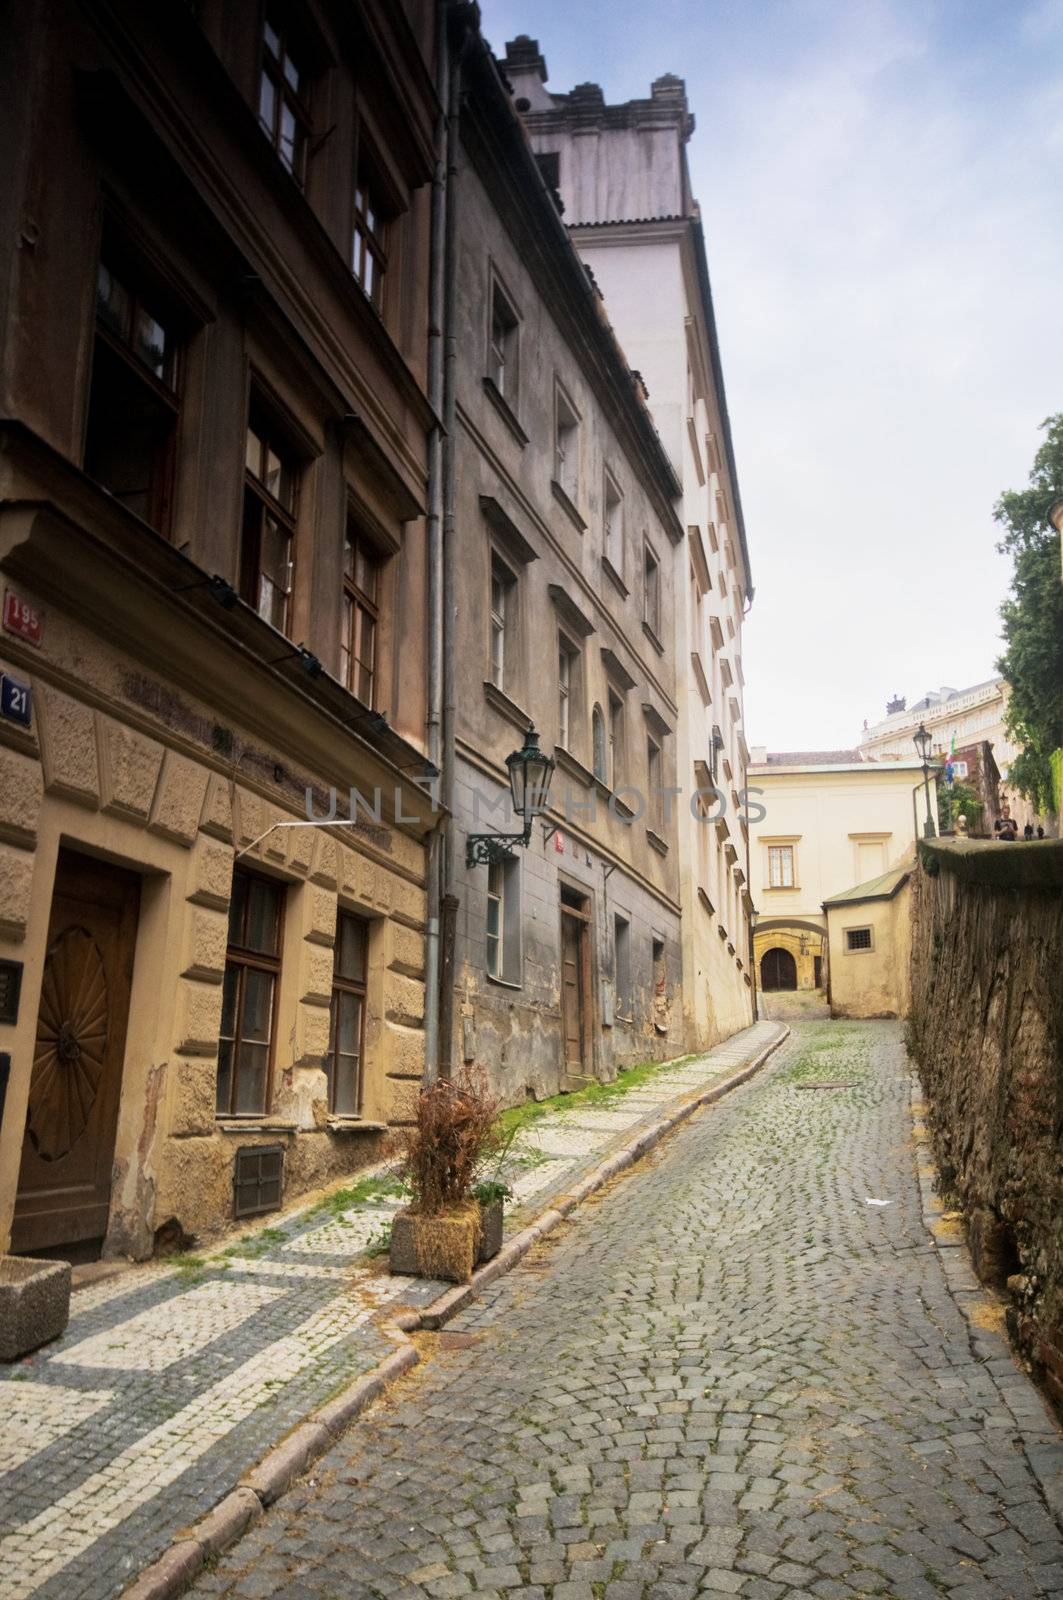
(22, 619)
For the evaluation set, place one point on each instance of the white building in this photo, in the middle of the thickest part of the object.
(620, 173)
(954, 718)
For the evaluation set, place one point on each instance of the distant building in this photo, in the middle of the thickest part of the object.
(869, 938)
(620, 175)
(955, 719)
(832, 822)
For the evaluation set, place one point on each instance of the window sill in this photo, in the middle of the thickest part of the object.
(707, 904)
(567, 506)
(655, 842)
(575, 769)
(783, 888)
(253, 1125)
(354, 1125)
(614, 577)
(652, 636)
(500, 701)
(505, 411)
(502, 983)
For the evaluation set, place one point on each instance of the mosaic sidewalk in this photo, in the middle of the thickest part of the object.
(172, 1381)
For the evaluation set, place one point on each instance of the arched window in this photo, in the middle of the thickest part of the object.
(598, 742)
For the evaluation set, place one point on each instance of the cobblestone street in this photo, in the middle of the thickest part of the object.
(730, 1374)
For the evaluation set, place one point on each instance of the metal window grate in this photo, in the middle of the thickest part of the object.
(858, 938)
(258, 1179)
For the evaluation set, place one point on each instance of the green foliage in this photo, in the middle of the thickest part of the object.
(1032, 616)
(961, 797)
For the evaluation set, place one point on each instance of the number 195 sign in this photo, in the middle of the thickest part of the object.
(21, 619)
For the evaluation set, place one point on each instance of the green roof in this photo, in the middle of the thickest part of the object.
(881, 888)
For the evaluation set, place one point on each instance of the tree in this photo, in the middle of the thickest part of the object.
(961, 797)
(1032, 614)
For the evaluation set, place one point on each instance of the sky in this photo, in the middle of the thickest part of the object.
(880, 186)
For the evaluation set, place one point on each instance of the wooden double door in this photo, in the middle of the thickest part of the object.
(575, 982)
(64, 1188)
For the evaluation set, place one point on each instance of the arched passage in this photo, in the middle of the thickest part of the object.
(778, 969)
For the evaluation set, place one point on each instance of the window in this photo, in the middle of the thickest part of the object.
(503, 921)
(651, 592)
(283, 111)
(781, 866)
(654, 796)
(566, 655)
(347, 1030)
(566, 446)
(549, 164)
(660, 983)
(858, 939)
(252, 965)
(599, 746)
(270, 481)
(616, 739)
(132, 416)
(504, 346)
(622, 965)
(361, 598)
(369, 239)
(613, 525)
(503, 598)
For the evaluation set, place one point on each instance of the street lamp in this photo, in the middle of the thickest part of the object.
(921, 740)
(530, 770)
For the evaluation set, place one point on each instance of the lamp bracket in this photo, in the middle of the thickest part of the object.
(485, 849)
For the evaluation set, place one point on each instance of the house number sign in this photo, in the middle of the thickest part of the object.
(22, 619)
(16, 700)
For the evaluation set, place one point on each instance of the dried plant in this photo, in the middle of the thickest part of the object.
(456, 1133)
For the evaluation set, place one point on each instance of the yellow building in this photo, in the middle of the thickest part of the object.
(831, 822)
(869, 941)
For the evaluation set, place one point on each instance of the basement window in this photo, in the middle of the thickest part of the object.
(858, 939)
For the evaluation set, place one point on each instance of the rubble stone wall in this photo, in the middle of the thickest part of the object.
(987, 1034)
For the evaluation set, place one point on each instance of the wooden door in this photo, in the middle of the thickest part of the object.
(572, 987)
(778, 970)
(64, 1188)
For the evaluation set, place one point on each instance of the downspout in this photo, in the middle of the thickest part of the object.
(434, 532)
(466, 17)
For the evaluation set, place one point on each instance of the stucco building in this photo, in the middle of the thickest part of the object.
(213, 466)
(831, 822)
(620, 176)
(562, 537)
(955, 719)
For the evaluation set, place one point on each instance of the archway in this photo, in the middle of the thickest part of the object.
(778, 969)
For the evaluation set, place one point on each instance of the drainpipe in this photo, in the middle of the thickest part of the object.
(466, 18)
(434, 532)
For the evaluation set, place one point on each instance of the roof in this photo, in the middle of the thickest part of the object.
(883, 887)
(812, 758)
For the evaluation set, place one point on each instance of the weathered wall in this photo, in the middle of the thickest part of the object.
(870, 983)
(987, 1032)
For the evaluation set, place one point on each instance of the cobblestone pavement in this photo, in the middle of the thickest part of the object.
(171, 1382)
(728, 1375)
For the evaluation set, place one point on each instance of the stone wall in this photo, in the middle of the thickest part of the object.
(987, 1033)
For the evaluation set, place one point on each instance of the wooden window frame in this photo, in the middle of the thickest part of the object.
(503, 354)
(651, 614)
(370, 225)
(617, 747)
(567, 686)
(165, 391)
(261, 422)
(244, 960)
(566, 460)
(272, 66)
(357, 987)
(496, 897)
(778, 849)
(361, 605)
(500, 622)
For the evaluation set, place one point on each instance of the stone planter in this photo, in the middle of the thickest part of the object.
(491, 1216)
(436, 1247)
(34, 1303)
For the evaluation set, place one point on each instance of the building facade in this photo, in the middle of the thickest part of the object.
(567, 957)
(831, 822)
(213, 473)
(955, 719)
(620, 176)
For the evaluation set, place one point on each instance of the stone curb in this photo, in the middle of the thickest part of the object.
(1042, 1442)
(178, 1566)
